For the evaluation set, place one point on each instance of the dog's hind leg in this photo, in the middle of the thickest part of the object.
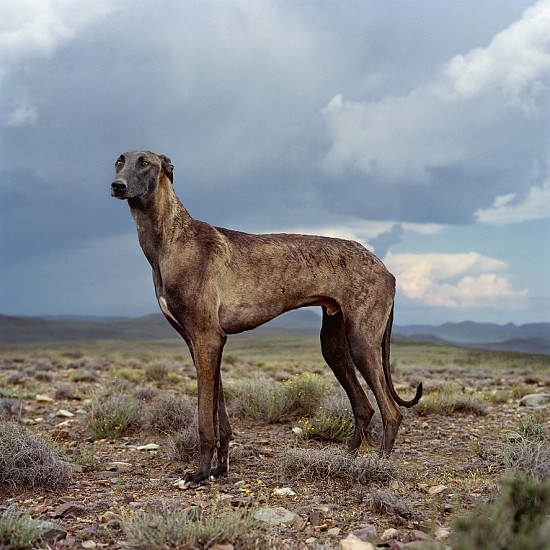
(366, 355)
(226, 435)
(336, 354)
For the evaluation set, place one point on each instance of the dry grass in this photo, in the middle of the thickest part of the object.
(328, 463)
(27, 460)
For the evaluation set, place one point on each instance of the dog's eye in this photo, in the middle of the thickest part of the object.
(144, 163)
(118, 164)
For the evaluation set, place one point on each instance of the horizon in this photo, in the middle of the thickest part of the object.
(418, 130)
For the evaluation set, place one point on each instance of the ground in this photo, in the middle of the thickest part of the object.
(445, 459)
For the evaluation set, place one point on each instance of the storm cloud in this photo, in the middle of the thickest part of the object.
(375, 121)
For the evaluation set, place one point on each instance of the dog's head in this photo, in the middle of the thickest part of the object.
(138, 174)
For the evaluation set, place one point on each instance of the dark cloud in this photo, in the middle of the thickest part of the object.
(237, 95)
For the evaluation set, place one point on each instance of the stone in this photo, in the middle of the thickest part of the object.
(284, 492)
(51, 532)
(43, 398)
(390, 533)
(69, 509)
(64, 413)
(275, 516)
(351, 542)
(536, 400)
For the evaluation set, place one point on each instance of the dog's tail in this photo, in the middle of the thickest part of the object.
(386, 366)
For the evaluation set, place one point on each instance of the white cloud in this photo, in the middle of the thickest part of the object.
(456, 281)
(515, 63)
(25, 115)
(505, 210)
(467, 115)
(36, 28)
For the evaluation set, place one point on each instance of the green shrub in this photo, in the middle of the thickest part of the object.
(517, 520)
(172, 527)
(18, 531)
(113, 414)
(450, 399)
(260, 399)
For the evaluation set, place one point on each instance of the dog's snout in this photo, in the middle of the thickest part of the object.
(118, 186)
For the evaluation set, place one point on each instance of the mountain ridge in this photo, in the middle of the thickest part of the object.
(528, 338)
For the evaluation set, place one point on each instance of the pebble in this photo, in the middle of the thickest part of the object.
(43, 398)
(275, 516)
(284, 492)
(536, 400)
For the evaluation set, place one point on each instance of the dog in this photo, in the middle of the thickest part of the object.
(211, 282)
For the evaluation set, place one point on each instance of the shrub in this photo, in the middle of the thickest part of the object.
(325, 464)
(18, 531)
(168, 414)
(64, 390)
(517, 520)
(172, 527)
(10, 408)
(112, 414)
(156, 372)
(26, 460)
(449, 399)
(299, 395)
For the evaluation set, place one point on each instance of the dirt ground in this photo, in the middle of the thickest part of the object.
(444, 462)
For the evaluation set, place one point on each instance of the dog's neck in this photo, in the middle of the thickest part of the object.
(158, 220)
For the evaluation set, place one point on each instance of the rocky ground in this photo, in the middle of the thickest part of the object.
(445, 461)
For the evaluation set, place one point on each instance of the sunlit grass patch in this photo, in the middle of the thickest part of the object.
(449, 399)
(112, 414)
(173, 527)
(260, 398)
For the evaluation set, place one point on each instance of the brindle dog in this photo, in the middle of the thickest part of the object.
(211, 282)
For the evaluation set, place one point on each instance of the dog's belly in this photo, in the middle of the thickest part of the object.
(247, 316)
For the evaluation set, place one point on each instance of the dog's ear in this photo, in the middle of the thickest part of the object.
(167, 167)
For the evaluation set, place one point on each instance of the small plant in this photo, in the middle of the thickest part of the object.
(325, 464)
(299, 395)
(112, 414)
(172, 527)
(64, 390)
(27, 460)
(156, 372)
(18, 531)
(169, 414)
(10, 408)
(450, 399)
(327, 427)
(517, 520)
(527, 450)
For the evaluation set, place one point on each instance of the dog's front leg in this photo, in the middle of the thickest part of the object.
(207, 352)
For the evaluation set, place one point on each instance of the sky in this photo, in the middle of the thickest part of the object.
(419, 128)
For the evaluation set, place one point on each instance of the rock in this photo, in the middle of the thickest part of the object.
(536, 400)
(51, 532)
(43, 399)
(442, 533)
(366, 533)
(390, 533)
(334, 531)
(284, 492)
(222, 547)
(69, 509)
(88, 544)
(147, 447)
(64, 413)
(353, 543)
(437, 489)
(275, 516)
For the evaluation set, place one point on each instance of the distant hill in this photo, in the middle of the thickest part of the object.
(529, 338)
